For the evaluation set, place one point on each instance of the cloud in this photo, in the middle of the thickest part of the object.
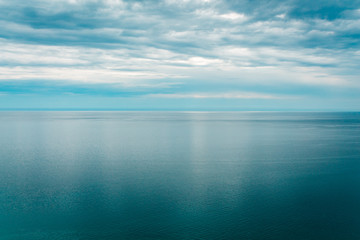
(228, 95)
(176, 48)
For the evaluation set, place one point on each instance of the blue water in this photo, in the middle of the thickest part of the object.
(179, 175)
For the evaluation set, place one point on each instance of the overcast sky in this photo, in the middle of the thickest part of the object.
(180, 54)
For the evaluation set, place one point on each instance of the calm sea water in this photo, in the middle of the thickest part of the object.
(179, 175)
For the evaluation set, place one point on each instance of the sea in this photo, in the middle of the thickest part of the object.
(179, 175)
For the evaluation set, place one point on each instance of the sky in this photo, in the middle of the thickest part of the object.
(221, 55)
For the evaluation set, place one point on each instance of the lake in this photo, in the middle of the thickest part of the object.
(179, 175)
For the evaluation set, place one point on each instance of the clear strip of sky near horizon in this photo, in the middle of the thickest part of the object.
(210, 55)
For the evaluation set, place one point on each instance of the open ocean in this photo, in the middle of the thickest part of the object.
(179, 175)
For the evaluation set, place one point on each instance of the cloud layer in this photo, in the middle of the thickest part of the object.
(182, 49)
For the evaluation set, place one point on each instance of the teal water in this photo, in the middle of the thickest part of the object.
(179, 175)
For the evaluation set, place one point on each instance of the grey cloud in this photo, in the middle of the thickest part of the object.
(299, 9)
(186, 29)
(150, 23)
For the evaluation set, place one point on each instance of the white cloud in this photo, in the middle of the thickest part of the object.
(233, 16)
(227, 95)
(202, 42)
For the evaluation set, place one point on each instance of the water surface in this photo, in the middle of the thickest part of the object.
(179, 175)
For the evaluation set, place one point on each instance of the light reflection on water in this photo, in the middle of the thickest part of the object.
(179, 175)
